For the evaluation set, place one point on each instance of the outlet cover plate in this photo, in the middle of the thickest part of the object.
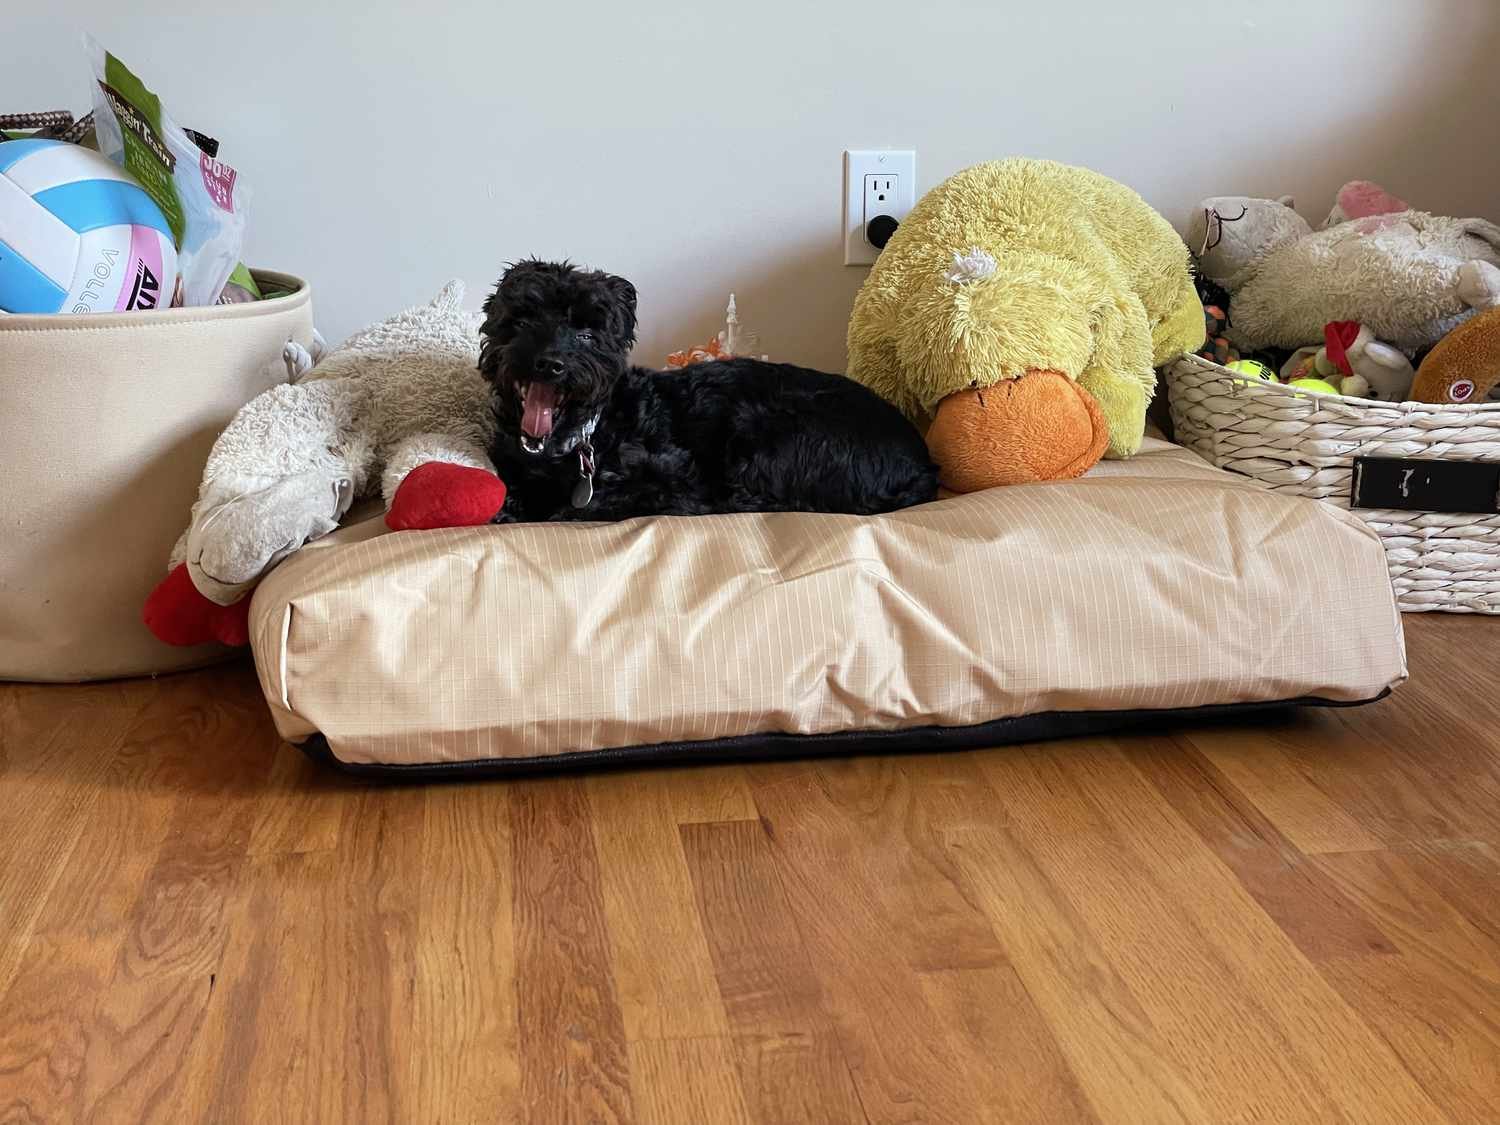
(859, 163)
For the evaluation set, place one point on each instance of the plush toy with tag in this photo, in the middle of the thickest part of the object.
(1465, 365)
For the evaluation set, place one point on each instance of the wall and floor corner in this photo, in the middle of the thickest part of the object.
(696, 147)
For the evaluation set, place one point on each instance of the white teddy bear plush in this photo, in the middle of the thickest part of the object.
(1407, 276)
(399, 409)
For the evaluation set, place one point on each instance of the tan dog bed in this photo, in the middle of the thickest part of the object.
(1151, 586)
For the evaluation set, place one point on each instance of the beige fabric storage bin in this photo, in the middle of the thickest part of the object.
(105, 425)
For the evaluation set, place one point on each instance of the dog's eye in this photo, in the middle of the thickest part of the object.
(585, 337)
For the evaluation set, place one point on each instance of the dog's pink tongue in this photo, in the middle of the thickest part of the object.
(538, 407)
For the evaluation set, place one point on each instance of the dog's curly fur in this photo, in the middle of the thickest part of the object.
(736, 435)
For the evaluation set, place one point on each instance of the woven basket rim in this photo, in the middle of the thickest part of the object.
(1281, 390)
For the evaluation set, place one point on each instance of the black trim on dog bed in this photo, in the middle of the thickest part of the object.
(754, 747)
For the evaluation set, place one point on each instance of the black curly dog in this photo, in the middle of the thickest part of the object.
(583, 435)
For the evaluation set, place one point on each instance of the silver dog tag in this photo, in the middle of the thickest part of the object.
(583, 491)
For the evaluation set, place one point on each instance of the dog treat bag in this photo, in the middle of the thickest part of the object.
(204, 199)
(240, 288)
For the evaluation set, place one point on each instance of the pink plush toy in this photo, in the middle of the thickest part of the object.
(1361, 199)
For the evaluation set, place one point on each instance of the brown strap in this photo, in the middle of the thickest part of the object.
(81, 128)
(57, 124)
(58, 119)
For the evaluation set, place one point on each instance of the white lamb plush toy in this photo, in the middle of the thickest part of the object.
(1407, 276)
(400, 408)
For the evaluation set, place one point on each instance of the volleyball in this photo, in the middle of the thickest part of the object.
(78, 234)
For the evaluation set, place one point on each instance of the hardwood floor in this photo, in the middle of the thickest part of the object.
(1292, 920)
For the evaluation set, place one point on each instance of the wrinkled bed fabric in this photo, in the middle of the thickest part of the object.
(1153, 586)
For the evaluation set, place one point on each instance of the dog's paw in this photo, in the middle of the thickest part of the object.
(437, 494)
(178, 614)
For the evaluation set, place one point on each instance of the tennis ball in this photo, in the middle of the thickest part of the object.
(1253, 369)
(1314, 386)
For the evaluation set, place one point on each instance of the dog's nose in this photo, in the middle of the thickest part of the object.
(549, 365)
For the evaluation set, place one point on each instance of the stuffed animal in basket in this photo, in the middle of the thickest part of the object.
(1359, 199)
(1024, 305)
(399, 410)
(1352, 360)
(1407, 276)
(1465, 366)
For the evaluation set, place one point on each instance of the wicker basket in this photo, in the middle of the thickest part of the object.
(1306, 444)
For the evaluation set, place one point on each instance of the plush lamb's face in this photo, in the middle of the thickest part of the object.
(1230, 234)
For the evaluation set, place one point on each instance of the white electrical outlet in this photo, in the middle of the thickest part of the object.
(877, 182)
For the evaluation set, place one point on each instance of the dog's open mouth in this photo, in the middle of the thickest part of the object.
(540, 403)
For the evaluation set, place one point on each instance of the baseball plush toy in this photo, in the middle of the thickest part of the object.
(1023, 305)
(398, 410)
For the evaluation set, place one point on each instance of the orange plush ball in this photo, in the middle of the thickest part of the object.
(1042, 426)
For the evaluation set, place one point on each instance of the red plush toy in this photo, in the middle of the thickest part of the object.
(438, 494)
(434, 495)
(176, 613)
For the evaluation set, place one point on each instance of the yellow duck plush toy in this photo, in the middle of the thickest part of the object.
(1023, 307)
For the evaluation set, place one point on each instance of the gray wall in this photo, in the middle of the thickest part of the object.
(695, 147)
